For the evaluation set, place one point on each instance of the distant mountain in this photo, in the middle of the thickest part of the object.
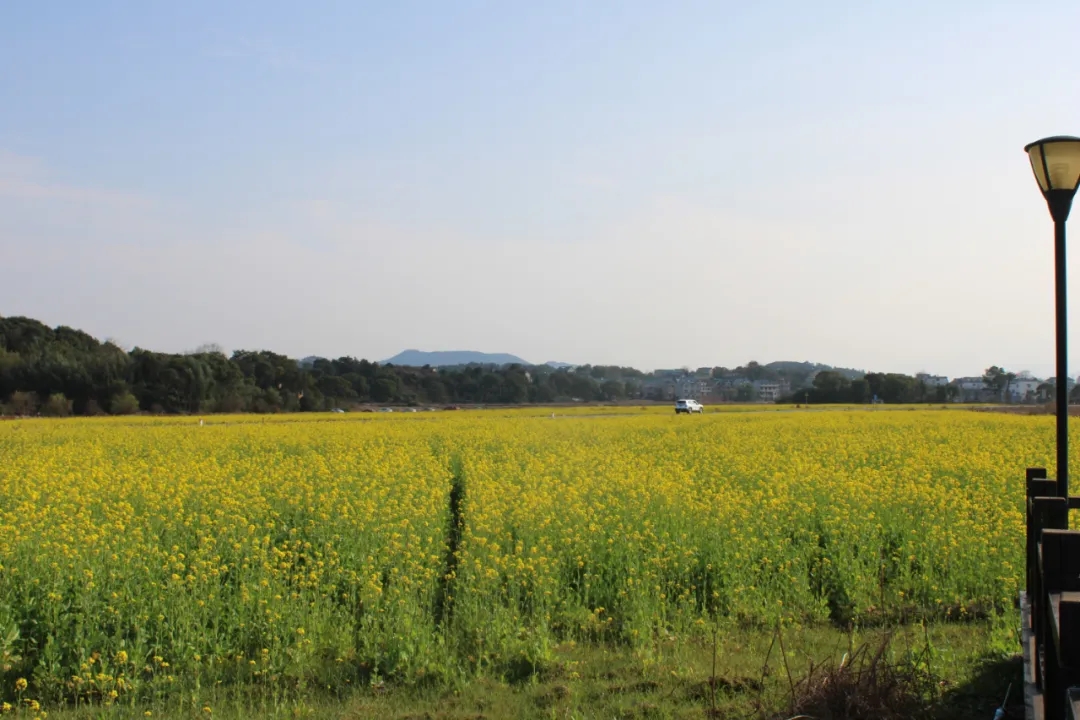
(444, 358)
(558, 365)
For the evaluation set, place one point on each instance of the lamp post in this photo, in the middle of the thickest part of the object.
(1056, 164)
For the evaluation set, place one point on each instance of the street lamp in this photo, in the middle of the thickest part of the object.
(1056, 163)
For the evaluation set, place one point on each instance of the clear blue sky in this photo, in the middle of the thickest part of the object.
(656, 184)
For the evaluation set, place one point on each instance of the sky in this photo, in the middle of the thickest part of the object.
(608, 182)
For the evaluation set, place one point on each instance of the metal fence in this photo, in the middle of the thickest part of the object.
(1050, 603)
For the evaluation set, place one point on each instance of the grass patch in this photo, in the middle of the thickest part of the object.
(930, 671)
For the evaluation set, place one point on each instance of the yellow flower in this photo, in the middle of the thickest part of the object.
(763, 516)
(20, 685)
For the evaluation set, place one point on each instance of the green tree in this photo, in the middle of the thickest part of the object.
(435, 389)
(754, 371)
(385, 389)
(613, 390)
(125, 404)
(999, 380)
(832, 387)
(23, 403)
(337, 387)
(1044, 392)
(56, 406)
(515, 386)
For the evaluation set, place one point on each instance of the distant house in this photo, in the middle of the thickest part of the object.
(657, 390)
(770, 390)
(1052, 382)
(727, 387)
(932, 380)
(1024, 389)
(970, 389)
(693, 388)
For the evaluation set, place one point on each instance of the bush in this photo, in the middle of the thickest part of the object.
(867, 683)
(56, 406)
(23, 403)
(125, 404)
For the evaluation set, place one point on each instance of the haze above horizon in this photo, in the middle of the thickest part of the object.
(614, 183)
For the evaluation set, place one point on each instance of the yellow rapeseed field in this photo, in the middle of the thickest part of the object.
(143, 557)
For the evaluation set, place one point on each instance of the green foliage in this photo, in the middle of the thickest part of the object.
(56, 406)
(36, 360)
(743, 679)
(998, 380)
(124, 404)
(23, 403)
(837, 386)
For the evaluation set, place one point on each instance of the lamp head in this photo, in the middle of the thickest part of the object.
(1056, 164)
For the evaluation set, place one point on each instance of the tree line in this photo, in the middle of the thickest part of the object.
(65, 371)
(894, 388)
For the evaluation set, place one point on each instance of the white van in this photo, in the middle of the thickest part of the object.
(688, 406)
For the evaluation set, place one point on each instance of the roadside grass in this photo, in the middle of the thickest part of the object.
(964, 669)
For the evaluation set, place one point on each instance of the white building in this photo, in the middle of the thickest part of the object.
(933, 380)
(770, 391)
(970, 389)
(1023, 388)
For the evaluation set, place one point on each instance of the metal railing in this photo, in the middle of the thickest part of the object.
(1050, 603)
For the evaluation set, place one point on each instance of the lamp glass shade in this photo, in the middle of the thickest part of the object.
(1056, 163)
